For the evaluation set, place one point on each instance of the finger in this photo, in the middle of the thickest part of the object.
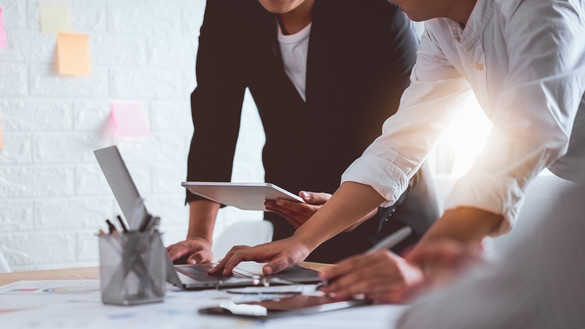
(295, 208)
(348, 265)
(233, 261)
(367, 285)
(176, 252)
(314, 198)
(220, 265)
(296, 222)
(276, 266)
(199, 257)
(358, 275)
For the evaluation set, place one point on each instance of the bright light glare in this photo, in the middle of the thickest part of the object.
(456, 151)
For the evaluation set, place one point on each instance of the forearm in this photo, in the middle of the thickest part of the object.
(202, 216)
(350, 203)
(466, 225)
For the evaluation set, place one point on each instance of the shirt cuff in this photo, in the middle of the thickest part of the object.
(383, 176)
(494, 194)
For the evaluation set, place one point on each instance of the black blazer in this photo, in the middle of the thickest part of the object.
(360, 56)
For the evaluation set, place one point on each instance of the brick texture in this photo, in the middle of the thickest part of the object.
(53, 196)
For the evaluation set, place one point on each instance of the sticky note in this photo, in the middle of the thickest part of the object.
(55, 17)
(2, 32)
(129, 120)
(73, 54)
(1, 137)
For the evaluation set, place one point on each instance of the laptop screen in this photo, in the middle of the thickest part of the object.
(122, 185)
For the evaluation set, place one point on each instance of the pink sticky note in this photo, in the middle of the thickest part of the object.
(1, 137)
(2, 32)
(129, 120)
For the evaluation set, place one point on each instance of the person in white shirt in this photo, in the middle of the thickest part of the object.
(538, 283)
(525, 63)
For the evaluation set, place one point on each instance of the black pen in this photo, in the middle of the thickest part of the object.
(124, 227)
(111, 227)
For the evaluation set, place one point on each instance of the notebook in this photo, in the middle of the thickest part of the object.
(191, 276)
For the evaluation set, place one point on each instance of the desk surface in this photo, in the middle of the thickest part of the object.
(79, 305)
(86, 273)
(62, 274)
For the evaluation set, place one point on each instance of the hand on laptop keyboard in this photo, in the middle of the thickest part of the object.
(191, 251)
(278, 255)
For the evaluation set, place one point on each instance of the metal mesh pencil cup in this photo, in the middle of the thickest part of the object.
(132, 268)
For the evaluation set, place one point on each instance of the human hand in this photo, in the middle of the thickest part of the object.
(278, 255)
(379, 276)
(297, 213)
(196, 250)
(441, 262)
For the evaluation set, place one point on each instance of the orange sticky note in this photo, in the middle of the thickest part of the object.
(55, 17)
(2, 32)
(129, 120)
(73, 54)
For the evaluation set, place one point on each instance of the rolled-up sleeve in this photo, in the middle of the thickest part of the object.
(534, 110)
(427, 108)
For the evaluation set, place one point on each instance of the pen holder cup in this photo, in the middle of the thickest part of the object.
(132, 268)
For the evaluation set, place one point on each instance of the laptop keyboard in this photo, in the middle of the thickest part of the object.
(198, 272)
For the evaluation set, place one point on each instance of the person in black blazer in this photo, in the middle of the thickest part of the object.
(358, 62)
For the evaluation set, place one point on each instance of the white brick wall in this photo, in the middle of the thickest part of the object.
(53, 197)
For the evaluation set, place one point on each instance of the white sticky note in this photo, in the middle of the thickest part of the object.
(55, 17)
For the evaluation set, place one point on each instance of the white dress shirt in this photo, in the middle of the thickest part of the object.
(538, 283)
(525, 62)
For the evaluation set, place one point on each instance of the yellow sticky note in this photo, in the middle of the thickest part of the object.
(55, 17)
(73, 54)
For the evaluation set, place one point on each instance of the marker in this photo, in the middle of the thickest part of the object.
(392, 240)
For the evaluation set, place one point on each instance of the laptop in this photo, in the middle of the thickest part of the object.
(187, 276)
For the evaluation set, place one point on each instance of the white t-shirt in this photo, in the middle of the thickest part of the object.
(294, 50)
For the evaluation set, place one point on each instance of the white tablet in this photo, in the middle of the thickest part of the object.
(247, 196)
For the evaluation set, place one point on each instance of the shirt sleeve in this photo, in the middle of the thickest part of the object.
(216, 102)
(533, 116)
(427, 108)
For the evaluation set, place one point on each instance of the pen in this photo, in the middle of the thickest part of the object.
(124, 227)
(392, 240)
(111, 227)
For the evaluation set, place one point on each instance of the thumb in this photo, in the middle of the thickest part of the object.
(275, 266)
(195, 258)
(315, 198)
